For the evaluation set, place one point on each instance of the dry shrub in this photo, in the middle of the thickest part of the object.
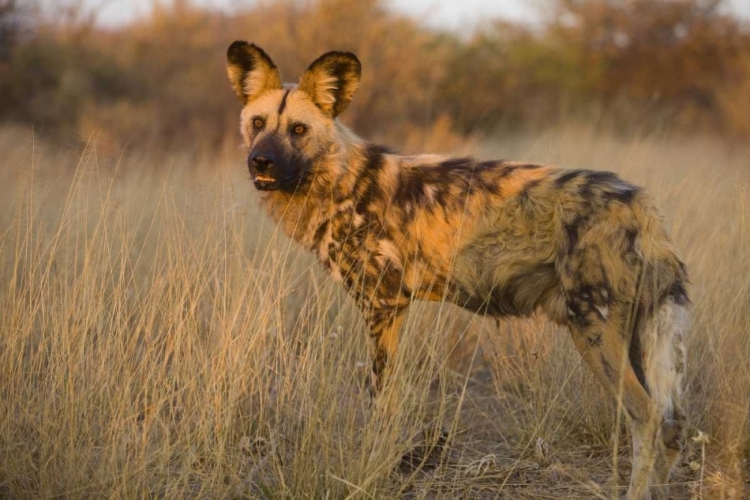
(161, 78)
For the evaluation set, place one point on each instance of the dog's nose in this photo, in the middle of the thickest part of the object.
(261, 163)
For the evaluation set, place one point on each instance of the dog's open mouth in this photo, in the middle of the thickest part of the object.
(268, 183)
(264, 182)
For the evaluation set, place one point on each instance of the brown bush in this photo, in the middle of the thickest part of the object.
(681, 65)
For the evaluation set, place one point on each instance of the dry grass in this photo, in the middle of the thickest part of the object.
(160, 339)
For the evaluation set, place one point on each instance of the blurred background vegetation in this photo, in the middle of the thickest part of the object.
(628, 65)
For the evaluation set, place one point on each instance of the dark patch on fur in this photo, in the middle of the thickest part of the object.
(606, 184)
(379, 362)
(577, 315)
(411, 189)
(573, 231)
(466, 173)
(678, 293)
(622, 193)
(389, 277)
(463, 163)
(239, 54)
(451, 181)
(282, 106)
(609, 372)
(635, 352)
(674, 289)
(609, 185)
(600, 177)
(506, 170)
(319, 233)
(341, 66)
(483, 166)
(374, 156)
(339, 71)
(471, 302)
(366, 184)
(595, 340)
(671, 435)
(245, 56)
(630, 237)
(381, 318)
(302, 164)
(527, 188)
(567, 177)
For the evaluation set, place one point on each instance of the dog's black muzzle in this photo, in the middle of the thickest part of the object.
(263, 170)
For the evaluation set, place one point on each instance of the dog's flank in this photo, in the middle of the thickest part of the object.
(499, 238)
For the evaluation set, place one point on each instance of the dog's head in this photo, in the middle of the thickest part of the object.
(287, 127)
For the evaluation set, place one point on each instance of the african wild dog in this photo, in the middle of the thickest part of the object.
(495, 237)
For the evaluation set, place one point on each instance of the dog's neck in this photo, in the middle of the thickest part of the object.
(326, 195)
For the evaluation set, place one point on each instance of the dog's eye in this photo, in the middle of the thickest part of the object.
(299, 129)
(258, 123)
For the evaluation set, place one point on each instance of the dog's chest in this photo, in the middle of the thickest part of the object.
(339, 243)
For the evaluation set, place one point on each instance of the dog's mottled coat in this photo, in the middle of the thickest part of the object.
(500, 238)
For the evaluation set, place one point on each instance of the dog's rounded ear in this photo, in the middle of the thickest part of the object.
(331, 81)
(251, 71)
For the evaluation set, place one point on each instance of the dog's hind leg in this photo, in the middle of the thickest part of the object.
(643, 367)
(606, 351)
(664, 358)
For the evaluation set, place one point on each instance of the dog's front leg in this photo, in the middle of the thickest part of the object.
(384, 323)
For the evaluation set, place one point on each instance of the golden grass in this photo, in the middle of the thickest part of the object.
(161, 339)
